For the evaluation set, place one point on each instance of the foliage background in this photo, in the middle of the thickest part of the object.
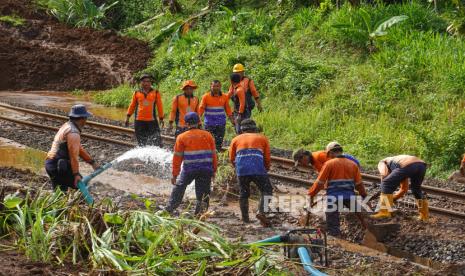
(320, 83)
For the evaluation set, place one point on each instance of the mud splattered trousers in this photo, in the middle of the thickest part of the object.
(147, 133)
(202, 190)
(218, 134)
(60, 174)
(333, 223)
(415, 171)
(263, 184)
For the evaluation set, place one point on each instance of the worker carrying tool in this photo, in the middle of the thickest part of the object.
(195, 149)
(183, 104)
(251, 93)
(215, 106)
(143, 104)
(250, 154)
(62, 161)
(317, 159)
(394, 171)
(340, 177)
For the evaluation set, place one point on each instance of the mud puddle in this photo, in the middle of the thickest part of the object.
(19, 156)
(60, 100)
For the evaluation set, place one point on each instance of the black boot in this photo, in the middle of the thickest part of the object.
(244, 204)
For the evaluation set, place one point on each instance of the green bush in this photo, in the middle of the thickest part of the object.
(79, 13)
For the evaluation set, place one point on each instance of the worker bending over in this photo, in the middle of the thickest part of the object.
(62, 162)
(250, 154)
(251, 94)
(183, 104)
(340, 177)
(215, 106)
(195, 149)
(143, 103)
(317, 159)
(397, 169)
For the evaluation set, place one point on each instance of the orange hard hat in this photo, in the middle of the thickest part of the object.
(238, 68)
(190, 83)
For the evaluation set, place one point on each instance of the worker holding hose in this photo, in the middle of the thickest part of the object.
(62, 161)
(195, 149)
(250, 155)
(183, 104)
(145, 103)
(395, 171)
(340, 177)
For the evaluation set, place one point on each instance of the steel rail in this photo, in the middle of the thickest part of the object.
(277, 160)
(437, 210)
(65, 118)
(90, 136)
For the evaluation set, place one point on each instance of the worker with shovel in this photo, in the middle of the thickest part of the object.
(395, 171)
(145, 103)
(250, 154)
(62, 162)
(340, 177)
(195, 149)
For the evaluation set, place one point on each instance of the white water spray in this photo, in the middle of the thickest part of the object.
(149, 154)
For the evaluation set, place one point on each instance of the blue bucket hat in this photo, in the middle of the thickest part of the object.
(79, 111)
(192, 118)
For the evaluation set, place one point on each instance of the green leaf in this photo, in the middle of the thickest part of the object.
(113, 218)
(381, 28)
(12, 201)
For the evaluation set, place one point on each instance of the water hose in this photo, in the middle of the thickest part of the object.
(302, 251)
(307, 262)
(82, 185)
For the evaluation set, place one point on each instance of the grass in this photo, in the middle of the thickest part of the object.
(320, 83)
(51, 227)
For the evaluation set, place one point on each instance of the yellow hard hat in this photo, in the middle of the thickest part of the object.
(238, 68)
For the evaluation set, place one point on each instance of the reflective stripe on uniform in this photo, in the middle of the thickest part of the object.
(198, 160)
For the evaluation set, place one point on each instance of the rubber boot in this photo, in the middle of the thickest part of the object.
(244, 204)
(386, 202)
(423, 209)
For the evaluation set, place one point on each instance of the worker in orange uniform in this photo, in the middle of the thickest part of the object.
(396, 170)
(317, 159)
(195, 149)
(62, 162)
(340, 177)
(143, 104)
(215, 106)
(183, 104)
(251, 93)
(250, 154)
(239, 99)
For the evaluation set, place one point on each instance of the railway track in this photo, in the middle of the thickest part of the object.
(280, 161)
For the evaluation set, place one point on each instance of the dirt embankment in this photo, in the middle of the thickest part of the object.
(43, 54)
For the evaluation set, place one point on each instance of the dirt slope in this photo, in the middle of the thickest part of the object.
(46, 55)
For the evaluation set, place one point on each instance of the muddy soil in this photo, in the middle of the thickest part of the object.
(43, 54)
(15, 263)
(345, 259)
